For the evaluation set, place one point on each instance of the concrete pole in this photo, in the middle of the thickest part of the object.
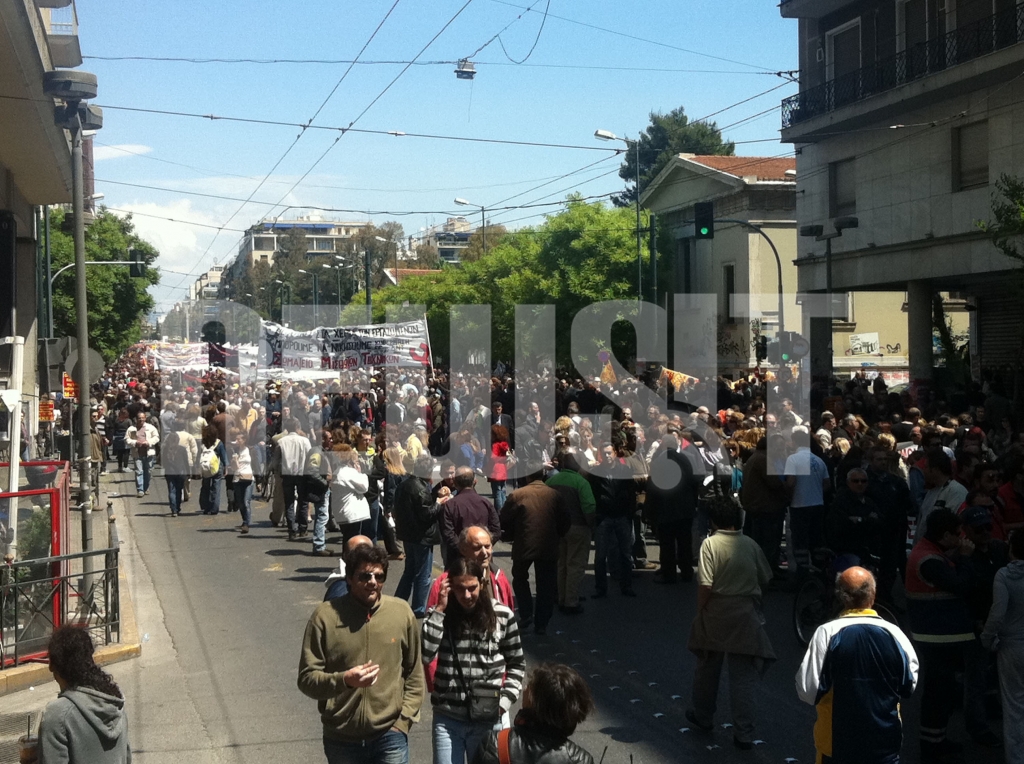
(919, 333)
(82, 318)
(12, 400)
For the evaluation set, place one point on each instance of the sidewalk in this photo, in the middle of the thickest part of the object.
(28, 688)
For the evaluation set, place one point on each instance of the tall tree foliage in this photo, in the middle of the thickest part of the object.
(117, 302)
(667, 135)
(583, 255)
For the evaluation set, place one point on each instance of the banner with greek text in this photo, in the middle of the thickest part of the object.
(344, 348)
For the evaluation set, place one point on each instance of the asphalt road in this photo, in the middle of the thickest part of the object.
(224, 616)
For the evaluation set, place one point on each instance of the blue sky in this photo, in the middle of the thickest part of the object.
(578, 79)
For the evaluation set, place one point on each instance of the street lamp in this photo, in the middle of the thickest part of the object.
(818, 232)
(608, 135)
(483, 222)
(74, 87)
(387, 241)
(316, 293)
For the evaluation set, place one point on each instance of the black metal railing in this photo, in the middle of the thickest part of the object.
(964, 44)
(37, 596)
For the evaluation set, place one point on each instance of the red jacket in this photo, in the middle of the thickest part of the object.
(1011, 501)
(501, 591)
(499, 459)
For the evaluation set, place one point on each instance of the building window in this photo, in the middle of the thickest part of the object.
(842, 189)
(970, 156)
(729, 285)
(264, 243)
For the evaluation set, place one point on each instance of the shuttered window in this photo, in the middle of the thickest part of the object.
(970, 156)
(842, 189)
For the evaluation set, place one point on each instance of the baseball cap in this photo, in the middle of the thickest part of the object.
(976, 517)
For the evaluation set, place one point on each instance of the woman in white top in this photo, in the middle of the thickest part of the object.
(241, 466)
(348, 493)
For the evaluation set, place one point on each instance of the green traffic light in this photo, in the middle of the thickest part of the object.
(785, 356)
(704, 231)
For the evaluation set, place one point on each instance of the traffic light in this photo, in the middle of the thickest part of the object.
(774, 355)
(761, 348)
(704, 220)
(137, 269)
(798, 346)
(785, 347)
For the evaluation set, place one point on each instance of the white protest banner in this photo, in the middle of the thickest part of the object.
(344, 348)
(179, 356)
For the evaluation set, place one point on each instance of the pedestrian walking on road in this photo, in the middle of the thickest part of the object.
(535, 519)
(856, 671)
(349, 506)
(212, 463)
(732, 573)
(142, 438)
(289, 459)
(480, 662)
(241, 468)
(179, 457)
(361, 663)
(465, 509)
(556, 700)
(574, 546)
(416, 515)
(317, 488)
(118, 438)
(940, 576)
(87, 723)
(1004, 633)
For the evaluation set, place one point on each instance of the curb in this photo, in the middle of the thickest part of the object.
(34, 674)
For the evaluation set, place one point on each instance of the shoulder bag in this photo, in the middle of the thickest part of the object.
(484, 700)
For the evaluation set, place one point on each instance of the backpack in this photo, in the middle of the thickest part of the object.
(209, 462)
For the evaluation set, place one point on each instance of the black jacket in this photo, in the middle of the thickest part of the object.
(416, 513)
(531, 742)
(671, 488)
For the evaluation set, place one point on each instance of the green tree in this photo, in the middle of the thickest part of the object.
(117, 302)
(582, 255)
(427, 257)
(667, 135)
(475, 247)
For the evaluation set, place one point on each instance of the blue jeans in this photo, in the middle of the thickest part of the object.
(613, 538)
(456, 740)
(175, 488)
(416, 577)
(209, 495)
(390, 748)
(322, 511)
(369, 527)
(143, 472)
(243, 498)
(498, 490)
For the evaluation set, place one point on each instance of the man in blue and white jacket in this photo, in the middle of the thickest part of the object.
(857, 669)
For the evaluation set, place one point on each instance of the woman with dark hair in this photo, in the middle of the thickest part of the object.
(86, 724)
(213, 459)
(480, 662)
(498, 473)
(556, 700)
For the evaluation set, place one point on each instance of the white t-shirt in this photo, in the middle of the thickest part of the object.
(949, 496)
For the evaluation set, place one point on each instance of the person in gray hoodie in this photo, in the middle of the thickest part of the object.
(86, 724)
(1004, 633)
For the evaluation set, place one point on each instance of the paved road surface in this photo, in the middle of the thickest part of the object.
(224, 615)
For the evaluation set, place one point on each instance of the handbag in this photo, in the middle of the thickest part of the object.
(483, 699)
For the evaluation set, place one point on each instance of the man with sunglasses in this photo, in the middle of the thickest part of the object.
(855, 525)
(361, 662)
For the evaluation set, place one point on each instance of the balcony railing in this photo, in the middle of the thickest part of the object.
(959, 46)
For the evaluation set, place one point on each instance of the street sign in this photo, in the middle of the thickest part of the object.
(45, 411)
(70, 388)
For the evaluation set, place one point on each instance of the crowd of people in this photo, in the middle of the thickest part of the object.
(747, 492)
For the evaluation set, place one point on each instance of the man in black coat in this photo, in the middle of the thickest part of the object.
(416, 514)
(672, 505)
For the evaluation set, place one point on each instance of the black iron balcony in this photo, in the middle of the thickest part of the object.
(969, 42)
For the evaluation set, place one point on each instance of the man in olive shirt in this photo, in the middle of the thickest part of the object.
(361, 662)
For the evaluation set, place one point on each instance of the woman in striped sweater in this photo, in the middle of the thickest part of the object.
(476, 643)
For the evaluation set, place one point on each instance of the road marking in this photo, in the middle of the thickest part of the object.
(275, 568)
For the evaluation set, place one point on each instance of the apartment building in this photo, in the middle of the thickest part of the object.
(909, 111)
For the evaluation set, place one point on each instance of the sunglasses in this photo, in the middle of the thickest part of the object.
(857, 480)
(368, 575)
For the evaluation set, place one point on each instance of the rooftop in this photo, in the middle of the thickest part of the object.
(762, 168)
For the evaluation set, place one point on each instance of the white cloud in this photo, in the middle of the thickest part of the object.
(120, 151)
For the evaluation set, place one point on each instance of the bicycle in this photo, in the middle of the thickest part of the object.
(816, 603)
